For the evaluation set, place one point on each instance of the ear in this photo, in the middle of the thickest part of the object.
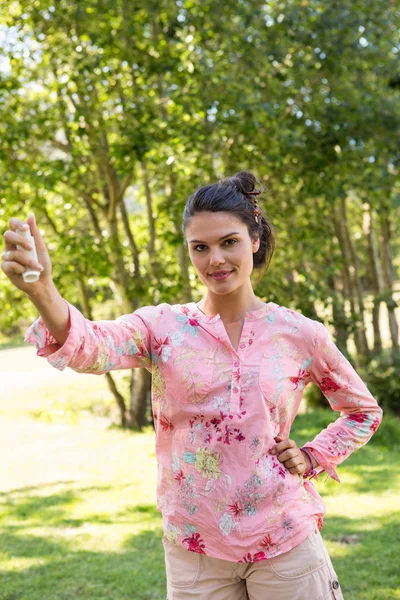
(256, 245)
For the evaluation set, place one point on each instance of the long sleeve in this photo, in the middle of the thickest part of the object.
(360, 415)
(98, 346)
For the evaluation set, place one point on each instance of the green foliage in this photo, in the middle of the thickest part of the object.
(314, 397)
(388, 433)
(382, 376)
(98, 91)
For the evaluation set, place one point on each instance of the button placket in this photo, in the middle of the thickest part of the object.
(245, 340)
(235, 387)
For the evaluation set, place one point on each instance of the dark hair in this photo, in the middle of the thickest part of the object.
(234, 195)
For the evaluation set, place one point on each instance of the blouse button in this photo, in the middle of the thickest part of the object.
(335, 584)
(235, 390)
(236, 364)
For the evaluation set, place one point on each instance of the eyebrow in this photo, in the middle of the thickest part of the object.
(220, 239)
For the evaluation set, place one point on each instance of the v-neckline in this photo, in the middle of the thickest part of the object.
(236, 349)
(191, 310)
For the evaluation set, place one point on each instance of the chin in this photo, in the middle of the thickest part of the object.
(222, 290)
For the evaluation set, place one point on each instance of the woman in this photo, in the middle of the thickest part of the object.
(240, 515)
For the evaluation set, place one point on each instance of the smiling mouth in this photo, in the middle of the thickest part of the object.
(221, 275)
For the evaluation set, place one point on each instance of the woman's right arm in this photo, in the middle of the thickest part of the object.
(42, 293)
(54, 312)
(62, 334)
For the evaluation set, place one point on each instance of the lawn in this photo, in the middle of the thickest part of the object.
(77, 503)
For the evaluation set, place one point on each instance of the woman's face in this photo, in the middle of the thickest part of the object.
(221, 250)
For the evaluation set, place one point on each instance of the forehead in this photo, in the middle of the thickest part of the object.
(208, 226)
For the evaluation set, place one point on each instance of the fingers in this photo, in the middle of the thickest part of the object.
(19, 257)
(282, 445)
(296, 464)
(15, 224)
(12, 239)
(16, 257)
(298, 470)
(293, 462)
(12, 268)
(289, 455)
(39, 243)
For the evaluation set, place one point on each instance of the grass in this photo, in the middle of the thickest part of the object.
(14, 342)
(77, 503)
(75, 402)
(362, 527)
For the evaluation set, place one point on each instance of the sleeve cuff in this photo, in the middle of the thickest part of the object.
(46, 345)
(323, 463)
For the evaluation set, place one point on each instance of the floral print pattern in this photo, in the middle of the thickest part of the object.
(216, 412)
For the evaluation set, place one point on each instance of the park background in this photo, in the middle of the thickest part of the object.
(112, 113)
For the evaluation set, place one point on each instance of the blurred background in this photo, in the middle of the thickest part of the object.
(111, 114)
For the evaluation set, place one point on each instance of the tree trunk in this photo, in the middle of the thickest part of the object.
(120, 278)
(355, 282)
(348, 288)
(87, 311)
(183, 259)
(150, 216)
(119, 399)
(131, 240)
(140, 398)
(340, 320)
(377, 277)
(181, 251)
(388, 279)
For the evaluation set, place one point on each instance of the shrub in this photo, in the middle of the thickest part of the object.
(382, 376)
(314, 397)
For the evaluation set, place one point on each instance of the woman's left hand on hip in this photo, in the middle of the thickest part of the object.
(295, 460)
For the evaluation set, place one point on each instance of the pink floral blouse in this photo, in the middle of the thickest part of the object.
(217, 411)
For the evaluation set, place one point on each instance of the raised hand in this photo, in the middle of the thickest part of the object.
(15, 261)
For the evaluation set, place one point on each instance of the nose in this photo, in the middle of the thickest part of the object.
(217, 257)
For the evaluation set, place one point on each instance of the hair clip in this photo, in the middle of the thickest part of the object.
(257, 214)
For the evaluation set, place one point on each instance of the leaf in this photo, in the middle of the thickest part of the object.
(189, 528)
(226, 524)
(176, 463)
(306, 363)
(189, 457)
(226, 481)
(210, 486)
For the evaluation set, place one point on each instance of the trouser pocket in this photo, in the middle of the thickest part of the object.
(182, 566)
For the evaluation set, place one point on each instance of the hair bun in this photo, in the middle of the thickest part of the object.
(244, 182)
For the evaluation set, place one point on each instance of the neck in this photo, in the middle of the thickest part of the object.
(231, 307)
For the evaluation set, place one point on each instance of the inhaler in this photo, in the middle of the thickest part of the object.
(29, 275)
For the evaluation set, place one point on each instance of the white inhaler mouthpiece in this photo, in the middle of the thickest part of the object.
(29, 275)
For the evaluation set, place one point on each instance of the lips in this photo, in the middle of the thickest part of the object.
(220, 275)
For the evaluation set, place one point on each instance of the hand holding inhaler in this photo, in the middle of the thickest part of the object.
(24, 248)
(29, 275)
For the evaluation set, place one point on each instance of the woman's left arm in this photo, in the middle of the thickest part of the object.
(360, 415)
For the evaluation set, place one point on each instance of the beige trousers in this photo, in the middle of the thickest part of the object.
(303, 573)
